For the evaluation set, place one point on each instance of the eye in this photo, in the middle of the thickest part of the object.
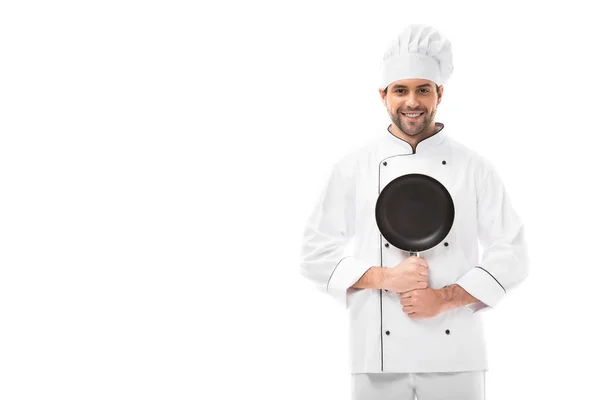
(424, 90)
(400, 90)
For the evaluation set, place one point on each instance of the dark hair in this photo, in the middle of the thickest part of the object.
(437, 89)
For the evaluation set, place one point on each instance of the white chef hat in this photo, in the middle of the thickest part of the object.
(420, 51)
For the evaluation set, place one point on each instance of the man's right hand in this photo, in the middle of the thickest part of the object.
(412, 273)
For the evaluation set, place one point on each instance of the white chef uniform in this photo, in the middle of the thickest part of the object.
(467, 385)
(382, 338)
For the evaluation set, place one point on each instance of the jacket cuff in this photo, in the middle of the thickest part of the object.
(477, 307)
(346, 273)
(484, 287)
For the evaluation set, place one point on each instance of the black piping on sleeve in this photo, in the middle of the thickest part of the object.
(334, 270)
(493, 277)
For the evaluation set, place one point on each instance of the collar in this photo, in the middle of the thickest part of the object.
(423, 146)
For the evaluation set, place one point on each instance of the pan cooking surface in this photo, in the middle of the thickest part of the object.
(414, 212)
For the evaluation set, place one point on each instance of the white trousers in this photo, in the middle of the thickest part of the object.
(468, 385)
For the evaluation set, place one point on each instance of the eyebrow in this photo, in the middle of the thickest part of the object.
(406, 87)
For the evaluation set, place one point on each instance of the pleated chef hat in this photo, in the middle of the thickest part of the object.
(420, 51)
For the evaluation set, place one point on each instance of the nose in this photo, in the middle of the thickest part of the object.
(411, 101)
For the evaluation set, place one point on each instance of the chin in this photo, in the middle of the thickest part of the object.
(413, 133)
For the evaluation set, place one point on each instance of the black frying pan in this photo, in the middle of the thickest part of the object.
(414, 213)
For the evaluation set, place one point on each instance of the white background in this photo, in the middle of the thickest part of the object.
(158, 161)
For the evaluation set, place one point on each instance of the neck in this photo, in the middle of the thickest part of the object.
(413, 140)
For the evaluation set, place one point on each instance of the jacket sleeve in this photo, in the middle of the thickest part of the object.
(504, 262)
(324, 259)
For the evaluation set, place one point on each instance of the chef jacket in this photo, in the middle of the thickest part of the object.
(382, 337)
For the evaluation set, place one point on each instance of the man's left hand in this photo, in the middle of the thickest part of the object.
(422, 303)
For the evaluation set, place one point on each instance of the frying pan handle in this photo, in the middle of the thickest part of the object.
(412, 253)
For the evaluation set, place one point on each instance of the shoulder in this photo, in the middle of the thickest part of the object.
(356, 159)
(478, 165)
(478, 161)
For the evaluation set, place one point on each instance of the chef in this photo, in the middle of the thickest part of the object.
(415, 323)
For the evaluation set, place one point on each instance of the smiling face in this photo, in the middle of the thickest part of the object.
(412, 104)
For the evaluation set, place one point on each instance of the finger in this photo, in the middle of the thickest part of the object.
(408, 309)
(406, 294)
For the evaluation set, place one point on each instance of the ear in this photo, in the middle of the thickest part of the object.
(382, 95)
(440, 93)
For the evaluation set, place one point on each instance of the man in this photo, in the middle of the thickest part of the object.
(415, 322)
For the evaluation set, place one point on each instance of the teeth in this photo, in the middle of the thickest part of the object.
(413, 115)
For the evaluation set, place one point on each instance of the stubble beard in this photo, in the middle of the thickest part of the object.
(412, 129)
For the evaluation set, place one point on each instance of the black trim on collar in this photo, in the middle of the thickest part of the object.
(414, 150)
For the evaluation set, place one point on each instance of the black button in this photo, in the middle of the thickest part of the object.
(387, 245)
(385, 163)
(387, 332)
(385, 290)
(446, 244)
(447, 331)
(444, 162)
